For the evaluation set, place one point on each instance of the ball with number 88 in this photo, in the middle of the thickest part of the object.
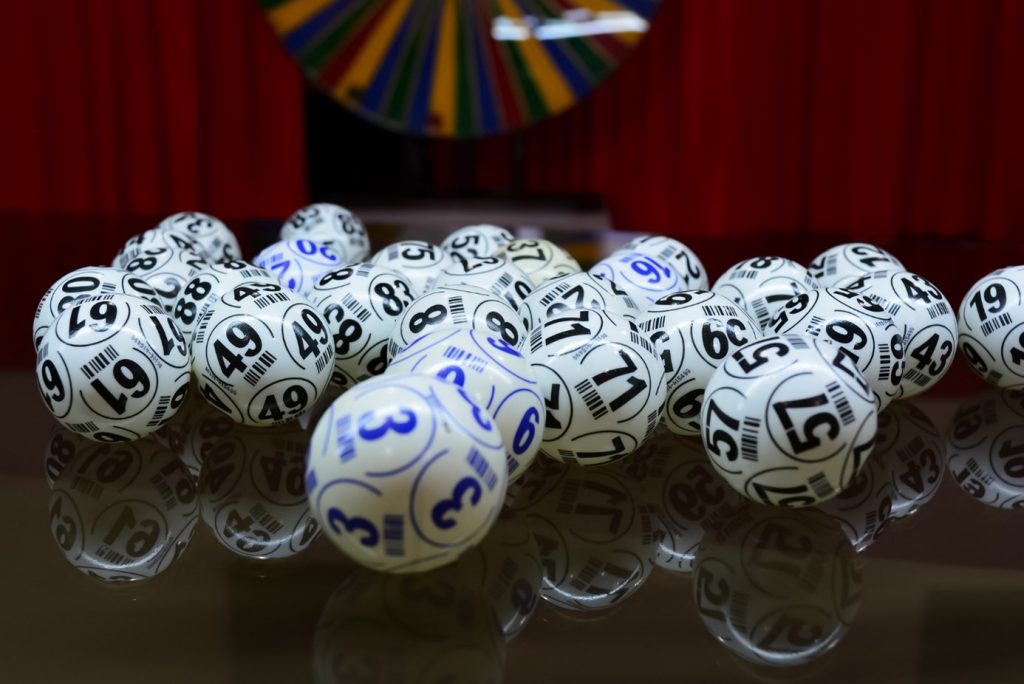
(205, 287)
(991, 327)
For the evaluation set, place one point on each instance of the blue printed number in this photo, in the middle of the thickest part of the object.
(478, 413)
(650, 270)
(453, 374)
(502, 345)
(526, 431)
(339, 523)
(310, 248)
(441, 509)
(374, 432)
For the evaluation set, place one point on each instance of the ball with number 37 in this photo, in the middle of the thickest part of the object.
(405, 472)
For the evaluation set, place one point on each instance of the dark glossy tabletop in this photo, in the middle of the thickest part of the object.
(915, 574)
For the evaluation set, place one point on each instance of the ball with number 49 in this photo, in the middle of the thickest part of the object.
(788, 420)
(991, 327)
(405, 472)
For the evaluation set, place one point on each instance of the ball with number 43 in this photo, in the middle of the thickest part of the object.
(991, 327)
(405, 472)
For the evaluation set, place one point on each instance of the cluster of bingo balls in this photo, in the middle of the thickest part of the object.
(457, 363)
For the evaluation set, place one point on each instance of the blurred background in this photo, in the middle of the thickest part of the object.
(790, 124)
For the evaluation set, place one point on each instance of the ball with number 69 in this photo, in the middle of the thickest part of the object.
(113, 368)
(405, 472)
(788, 420)
(495, 375)
(991, 327)
(677, 255)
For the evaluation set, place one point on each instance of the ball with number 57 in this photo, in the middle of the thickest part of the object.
(405, 472)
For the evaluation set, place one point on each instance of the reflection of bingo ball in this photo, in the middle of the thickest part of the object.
(924, 316)
(788, 420)
(494, 375)
(858, 325)
(298, 264)
(677, 255)
(331, 225)
(603, 386)
(643, 277)
(992, 328)
(777, 587)
(539, 259)
(62, 447)
(763, 284)
(404, 473)
(253, 494)
(576, 291)
(113, 368)
(693, 332)
(362, 305)
(913, 452)
(481, 240)
(864, 508)
(461, 308)
(266, 362)
(420, 262)
(986, 449)
(494, 274)
(123, 512)
(166, 271)
(207, 286)
(215, 238)
(850, 259)
(170, 238)
(86, 282)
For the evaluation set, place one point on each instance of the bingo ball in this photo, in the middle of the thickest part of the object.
(123, 512)
(693, 331)
(494, 375)
(851, 259)
(788, 420)
(991, 328)
(986, 448)
(861, 327)
(477, 241)
(763, 284)
(462, 308)
(166, 271)
(86, 282)
(62, 447)
(913, 453)
(603, 386)
(674, 253)
(643, 277)
(362, 305)
(333, 226)
(207, 286)
(404, 473)
(113, 368)
(262, 355)
(539, 259)
(298, 263)
(576, 291)
(216, 239)
(494, 274)
(924, 316)
(420, 262)
(863, 509)
(173, 239)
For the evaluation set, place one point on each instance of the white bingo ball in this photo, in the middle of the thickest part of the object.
(985, 445)
(216, 239)
(262, 355)
(643, 277)
(577, 291)
(207, 286)
(603, 385)
(331, 225)
(81, 283)
(677, 255)
(362, 305)
(851, 259)
(481, 240)
(788, 420)
(464, 308)
(497, 275)
(113, 368)
(539, 259)
(923, 315)
(861, 327)
(420, 262)
(170, 238)
(494, 374)
(166, 271)
(761, 285)
(298, 263)
(693, 331)
(991, 327)
(405, 472)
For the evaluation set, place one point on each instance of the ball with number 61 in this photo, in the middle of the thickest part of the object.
(405, 472)
(788, 420)
(991, 327)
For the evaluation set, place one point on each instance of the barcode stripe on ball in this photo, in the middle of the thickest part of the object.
(87, 426)
(797, 342)
(839, 399)
(993, 324)
(343, 441)
(457, 309)
(111, 556)
(164, 490)
(720, 310)
(252, 272)
(504, 281)
(260, 367)
(479, 465)
(652, 422)
(917, 377)
(651, 324)
(86, 486)
(748, 438)
(743, 275)
(97, 363)
(872, 521)
(884, 360)
(892, 309)
(588, 574)
(364, 270)
(468, 359)
(360, 311)
(269, 522)
(204, 322)
(270, 299)
(814, 325)
(760, 311)
(738, 611)
(830, 264)
(820, 484)
(941, 309)
(108, 287)
(592, 398)
(161, 409)
(536, 339)
(570, 490)
(567, 455)
(394, 534)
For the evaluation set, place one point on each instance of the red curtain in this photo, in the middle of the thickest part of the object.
(868, 118)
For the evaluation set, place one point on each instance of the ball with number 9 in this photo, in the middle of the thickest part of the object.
(405, 472)
(991, 327)
(643, 277)
(677, 255)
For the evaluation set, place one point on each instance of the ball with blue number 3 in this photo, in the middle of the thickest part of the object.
(298, 264)
(405, 472)
(495, 375)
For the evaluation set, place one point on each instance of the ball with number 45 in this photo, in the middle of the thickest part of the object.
(405, 472)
